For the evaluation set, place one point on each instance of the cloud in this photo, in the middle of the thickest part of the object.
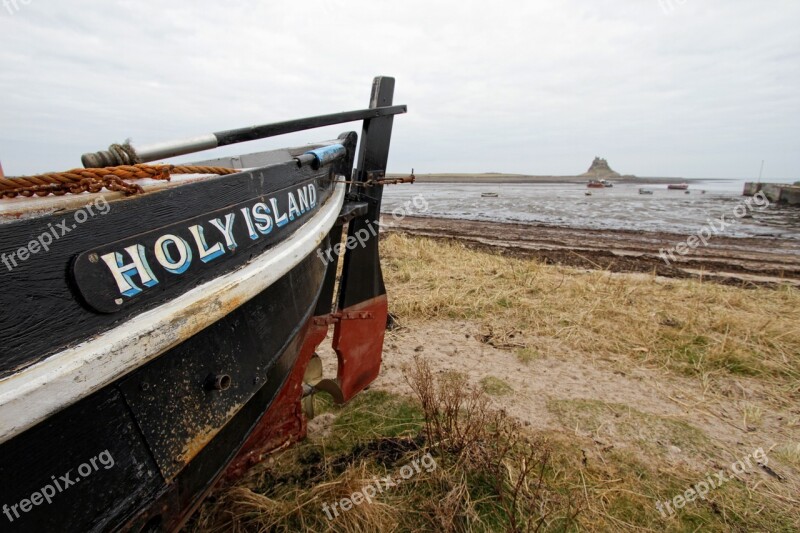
(706, 89)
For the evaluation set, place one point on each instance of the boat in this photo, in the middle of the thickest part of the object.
(606, 183)
(678, 186)
(587, 193)
(489, 195)
(594, 184)
(159, 335)
(645, 191)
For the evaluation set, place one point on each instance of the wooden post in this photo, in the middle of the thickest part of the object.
(363, 263)
(358, 335)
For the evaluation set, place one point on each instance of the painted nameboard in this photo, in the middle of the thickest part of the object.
(173, 259)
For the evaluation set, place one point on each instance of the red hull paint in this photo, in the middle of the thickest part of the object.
(358, 344)
(284, 422)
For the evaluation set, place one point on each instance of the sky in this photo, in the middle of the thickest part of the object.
(690, 88)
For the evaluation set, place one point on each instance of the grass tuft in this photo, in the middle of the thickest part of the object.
(495, 386)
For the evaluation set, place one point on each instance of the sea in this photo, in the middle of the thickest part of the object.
(617, 207)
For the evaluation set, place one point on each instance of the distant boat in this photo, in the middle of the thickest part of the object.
(645, 191)
(606, 183)
(678, 186)
(489, 195)
(594, 184)
(587, 193)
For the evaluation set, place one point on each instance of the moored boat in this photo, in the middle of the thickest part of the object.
(645, 191)
(678, 186)
(594, 184)
(489, 195)
(157, 332)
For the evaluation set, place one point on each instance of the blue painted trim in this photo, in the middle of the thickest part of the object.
(326, 154)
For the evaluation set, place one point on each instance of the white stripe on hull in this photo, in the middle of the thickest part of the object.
(33, 394)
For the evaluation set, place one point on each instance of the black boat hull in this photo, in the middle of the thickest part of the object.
(263, 339)
(141, 449)
(161, 348)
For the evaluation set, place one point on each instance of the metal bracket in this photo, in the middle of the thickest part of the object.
(333, 318)
(351, 210)
(378, 177)
(373, 178)
(358, 194)
(396, 181)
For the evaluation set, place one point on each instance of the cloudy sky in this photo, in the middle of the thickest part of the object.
(694, 88)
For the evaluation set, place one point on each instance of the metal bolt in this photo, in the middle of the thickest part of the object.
(217, 382)
(93, 258)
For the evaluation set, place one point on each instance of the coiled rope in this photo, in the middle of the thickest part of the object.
(94, 180)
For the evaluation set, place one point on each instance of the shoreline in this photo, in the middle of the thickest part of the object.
(729, 260)
(491, 178)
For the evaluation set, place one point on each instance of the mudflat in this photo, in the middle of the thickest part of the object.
(492, 177)
(738, 261)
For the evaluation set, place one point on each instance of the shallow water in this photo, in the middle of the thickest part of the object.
(618, 207)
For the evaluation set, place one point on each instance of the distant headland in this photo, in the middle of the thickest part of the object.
(599, 169)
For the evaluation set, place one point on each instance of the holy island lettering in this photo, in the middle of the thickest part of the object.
(174, 254)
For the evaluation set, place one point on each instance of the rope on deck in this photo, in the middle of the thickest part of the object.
(93, 180)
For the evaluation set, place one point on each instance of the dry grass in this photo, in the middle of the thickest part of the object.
(494, 475)
(491, 474)
(372, 436)
(488, 474)
(527, 354)
(701, 331)
(789, 453)
(495, 386)
(691, 327)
